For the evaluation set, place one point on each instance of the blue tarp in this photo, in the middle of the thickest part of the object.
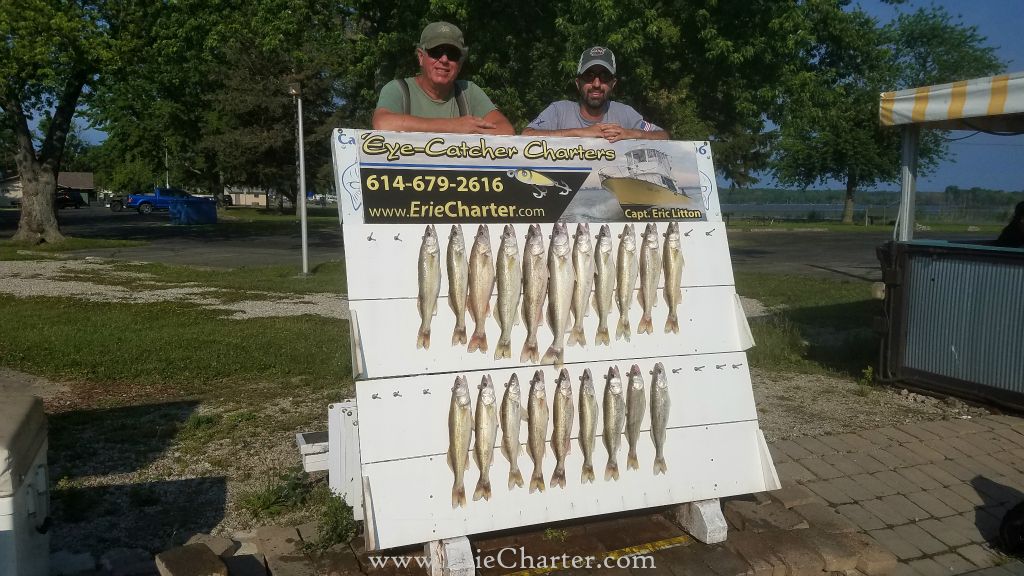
(193, 211)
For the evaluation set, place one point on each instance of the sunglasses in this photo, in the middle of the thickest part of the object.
(589, 76)
(453, 53)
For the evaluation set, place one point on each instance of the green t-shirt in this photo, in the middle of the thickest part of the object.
(424, 106)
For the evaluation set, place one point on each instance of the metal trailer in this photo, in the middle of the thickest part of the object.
(953, 313)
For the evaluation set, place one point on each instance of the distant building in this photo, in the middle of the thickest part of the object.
(81, 182)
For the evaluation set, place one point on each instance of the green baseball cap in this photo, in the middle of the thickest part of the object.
(440, 33)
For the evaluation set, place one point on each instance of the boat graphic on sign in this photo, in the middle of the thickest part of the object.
(645, 181)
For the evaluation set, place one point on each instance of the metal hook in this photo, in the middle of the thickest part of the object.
(687, 233)
(735, 366)
(397, 237)
(708, 233)
(375, 396)
(698, 368)
(396, 394)
(426, 391)
(370, 238)
(720, 366)
(676, 370)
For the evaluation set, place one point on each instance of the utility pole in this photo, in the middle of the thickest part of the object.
(167, 170)
(296, 91)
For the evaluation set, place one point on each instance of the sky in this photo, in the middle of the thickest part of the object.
(983, 160)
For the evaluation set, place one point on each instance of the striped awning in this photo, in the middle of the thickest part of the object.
(993, 104)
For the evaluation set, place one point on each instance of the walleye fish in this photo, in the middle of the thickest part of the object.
(672, 262)
(537, 426)
(511, 423)
(660, 405)
(510, 288)
(625, 279)
(485, 430)
(561, 280)
(588, 424)
(562, 426)
(636, 403)
(429, 277)
(458, 276)
(535, 286)
(481, 284)
(583, 266)
(650, 277)
(604, 284)
(460, 428)
(614, 420)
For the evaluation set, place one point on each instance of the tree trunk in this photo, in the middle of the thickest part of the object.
(851, 185)
(38, 221)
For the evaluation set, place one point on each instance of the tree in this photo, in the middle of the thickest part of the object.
(829, 127)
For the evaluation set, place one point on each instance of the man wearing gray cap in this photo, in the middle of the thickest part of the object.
(595, 115)
(433, 100)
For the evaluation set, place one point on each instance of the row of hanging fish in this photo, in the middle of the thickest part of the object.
(570, 275)
(623, 412)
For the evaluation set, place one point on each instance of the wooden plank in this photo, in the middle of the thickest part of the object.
(407, 417)
(707, 323)
(704, 462)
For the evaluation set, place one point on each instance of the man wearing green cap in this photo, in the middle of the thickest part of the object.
(595, 115)
(433, 100)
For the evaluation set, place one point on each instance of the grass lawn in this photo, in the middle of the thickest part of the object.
(12, 251)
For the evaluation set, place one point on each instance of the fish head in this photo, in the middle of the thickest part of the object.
(535, 241)
(509, 245)
(482, 243)
(586, 383)
(563, 377)
(614, 381)
(628, 238)
(658, 376)
(583, 243)
(455, 237)
(560, 239)
(430, 238)
(460, 391)
(486, 389)
(636, 377)
(537, 384)
(651, 235)
(604, 239)
(672, 234)
(513, 384)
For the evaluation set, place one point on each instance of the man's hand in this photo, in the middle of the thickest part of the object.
(472, 125)
(614, 132)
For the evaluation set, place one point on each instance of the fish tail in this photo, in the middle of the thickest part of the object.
(645, 324)
(631, 461)
(558, 476)
(483, 488)
(672, 323)
(537, 480)
(602, 336)
(504, 347)
(459, 335)
(553, 356)
(622, 329)
(611, 471)
(529, 350)
(515, 478)
(478, 341)
(423, 338)
(458, 496)
(588, 474)
(660, 467)
(576, 336)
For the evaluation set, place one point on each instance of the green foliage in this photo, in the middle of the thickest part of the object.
(337, 525)
(273, 497)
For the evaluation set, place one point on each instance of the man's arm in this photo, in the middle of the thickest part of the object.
(588, 132)
(501, 124)
(614, 133)
(384, 119)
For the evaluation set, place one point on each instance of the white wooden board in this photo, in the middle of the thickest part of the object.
(703, 462)
(704, 389)
(388, 328)
(385, 267)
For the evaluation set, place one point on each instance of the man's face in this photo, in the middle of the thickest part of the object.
(595, 86)
(440, 64)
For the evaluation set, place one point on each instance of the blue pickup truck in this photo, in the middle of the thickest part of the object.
(158, 199)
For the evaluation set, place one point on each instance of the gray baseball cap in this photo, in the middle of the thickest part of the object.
(440, 33)
(596, 56)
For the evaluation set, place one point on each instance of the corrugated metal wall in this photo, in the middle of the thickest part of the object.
(965, 319)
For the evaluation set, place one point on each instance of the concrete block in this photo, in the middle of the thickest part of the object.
(196, 559)
(869, 463)
(753, 517)
(938, 474)
(953, 563)
(820, 468)
(858, 443)
(898, 482)
(897, 435)
(793, 472)
(824, 518)
(919, 478)
(792, 449)
(969, 493)
(220, 545)
(793, 496)
(450, 557)
(918, 431)
(838, 444)
(874, 560)
(280, 547)
(873, 485)
(839, 552)
(862, 518)
(930, 504)
(884, 512)
(800, 556)
(947, 533)
(896, 544)
(928, 567)
(778, 455)
(917, 536)
(853, 489)
(813, 445)
(956, 469)
(876, 438)
(830, 491)
(339, 560)
(309, 532)
(952, 499)
(904, 507)
(844, 464)
(924, 451)
(725, 562)
(886, 458)
(246, 565)
(943, 447)
(703, 520)
(980, 556)
(127, 562)
(761, 558)
(905, 456)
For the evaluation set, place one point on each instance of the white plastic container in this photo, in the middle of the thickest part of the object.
(24, 490)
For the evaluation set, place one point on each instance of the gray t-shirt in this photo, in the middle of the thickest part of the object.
(565, 115)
